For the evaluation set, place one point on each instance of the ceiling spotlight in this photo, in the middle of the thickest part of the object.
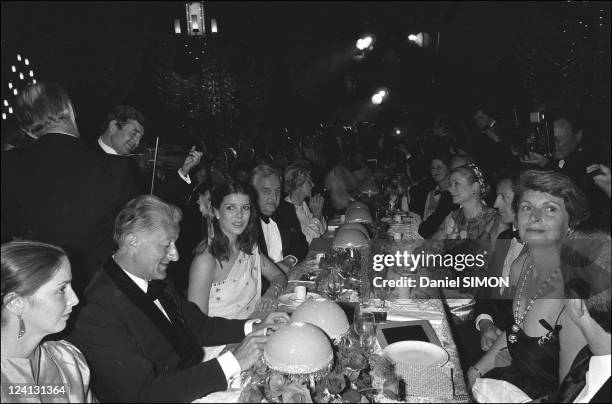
(10, 85)
(21, 76)
(422, 39)
(19, 58)
(6, 103)
(398, 132)
(13, 69)
(364, 43)
(10, 110)
(379, 96)
(3, 115)
(15, 91)
(27, 62)
(33, 81)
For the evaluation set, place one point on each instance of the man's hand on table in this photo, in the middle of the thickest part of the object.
(250, 349)
(273, 321)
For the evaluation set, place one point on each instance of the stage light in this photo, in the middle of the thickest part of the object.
(379, 96)
(19, 58)
(15, 92)
(3, 116)
(422, 39)
(364, 43)
(412, 38)
(377, 99)
(398, 132)
(13, 69)
(10, 110)
(6, 103)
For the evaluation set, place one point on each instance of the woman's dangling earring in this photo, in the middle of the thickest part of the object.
(22, 328)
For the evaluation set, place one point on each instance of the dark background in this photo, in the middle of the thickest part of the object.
(277, 65)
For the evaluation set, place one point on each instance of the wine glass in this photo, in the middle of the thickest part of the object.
(334, 284)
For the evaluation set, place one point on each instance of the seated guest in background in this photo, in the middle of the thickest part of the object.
(473, 220)
(439, 202)
(586, 270)
(143, 341)
(341, 185)
(225, 276)
(37, 300)
(493, 308)
(548, 205)
(298, 185)
(58, 190)
(280, 236)
(123, 130)
(196, 227)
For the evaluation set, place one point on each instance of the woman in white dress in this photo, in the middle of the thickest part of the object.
(225, 275)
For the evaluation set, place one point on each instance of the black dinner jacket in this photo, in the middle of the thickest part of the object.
(488, 300)
(172, 189)
(57, 190)
(133, 350)
(293, 240)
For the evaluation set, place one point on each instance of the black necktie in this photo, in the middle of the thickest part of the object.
(575, 380)
(155, 289)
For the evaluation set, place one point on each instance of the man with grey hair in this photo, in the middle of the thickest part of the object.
(280, 236)
(57, 190)
(141, 339)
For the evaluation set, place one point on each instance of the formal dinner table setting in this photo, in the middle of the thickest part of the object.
(349, 338)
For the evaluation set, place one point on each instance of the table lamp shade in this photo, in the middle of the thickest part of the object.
(349, 238)
(358, 216)
(325, 314)
(298, 348)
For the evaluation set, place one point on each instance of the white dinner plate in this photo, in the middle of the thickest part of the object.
(416, 352)
(290, 299)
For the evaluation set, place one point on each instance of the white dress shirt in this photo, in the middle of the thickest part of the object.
(273, 239)
(596, 377)
(228, 362)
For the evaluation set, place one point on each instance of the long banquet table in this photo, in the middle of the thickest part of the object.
(398, 310)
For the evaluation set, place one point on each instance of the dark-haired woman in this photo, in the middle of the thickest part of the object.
(37, 300)
(225, 275)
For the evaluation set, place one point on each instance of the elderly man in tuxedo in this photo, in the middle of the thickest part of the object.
(142, 341)
(281, 237)
(57, 190)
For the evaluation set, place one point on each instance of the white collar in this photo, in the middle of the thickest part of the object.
(107, 149)
(141, 283)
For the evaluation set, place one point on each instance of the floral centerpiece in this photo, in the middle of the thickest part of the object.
(349, 378)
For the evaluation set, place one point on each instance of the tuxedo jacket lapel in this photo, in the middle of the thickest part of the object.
(137, 297)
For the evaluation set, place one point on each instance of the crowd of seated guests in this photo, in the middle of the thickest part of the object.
(241, 234)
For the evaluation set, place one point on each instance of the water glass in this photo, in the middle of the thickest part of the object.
(365, 326)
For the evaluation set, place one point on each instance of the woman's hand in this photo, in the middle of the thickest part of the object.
(472, 375)
(266, 303)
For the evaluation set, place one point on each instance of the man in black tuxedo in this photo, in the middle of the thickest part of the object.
(58, 190)
(585, 264)
(493, 308)
(280, 236)
(141, 340)
(123, 130)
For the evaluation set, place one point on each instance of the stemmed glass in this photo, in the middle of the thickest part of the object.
(334, 284)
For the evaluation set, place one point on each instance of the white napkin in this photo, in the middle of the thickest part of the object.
(498, 391)
(414, 315)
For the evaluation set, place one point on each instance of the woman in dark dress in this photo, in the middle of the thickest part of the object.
(548, 206)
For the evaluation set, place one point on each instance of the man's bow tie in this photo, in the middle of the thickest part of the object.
(156, 289)
(437, 192)
(265, 218)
